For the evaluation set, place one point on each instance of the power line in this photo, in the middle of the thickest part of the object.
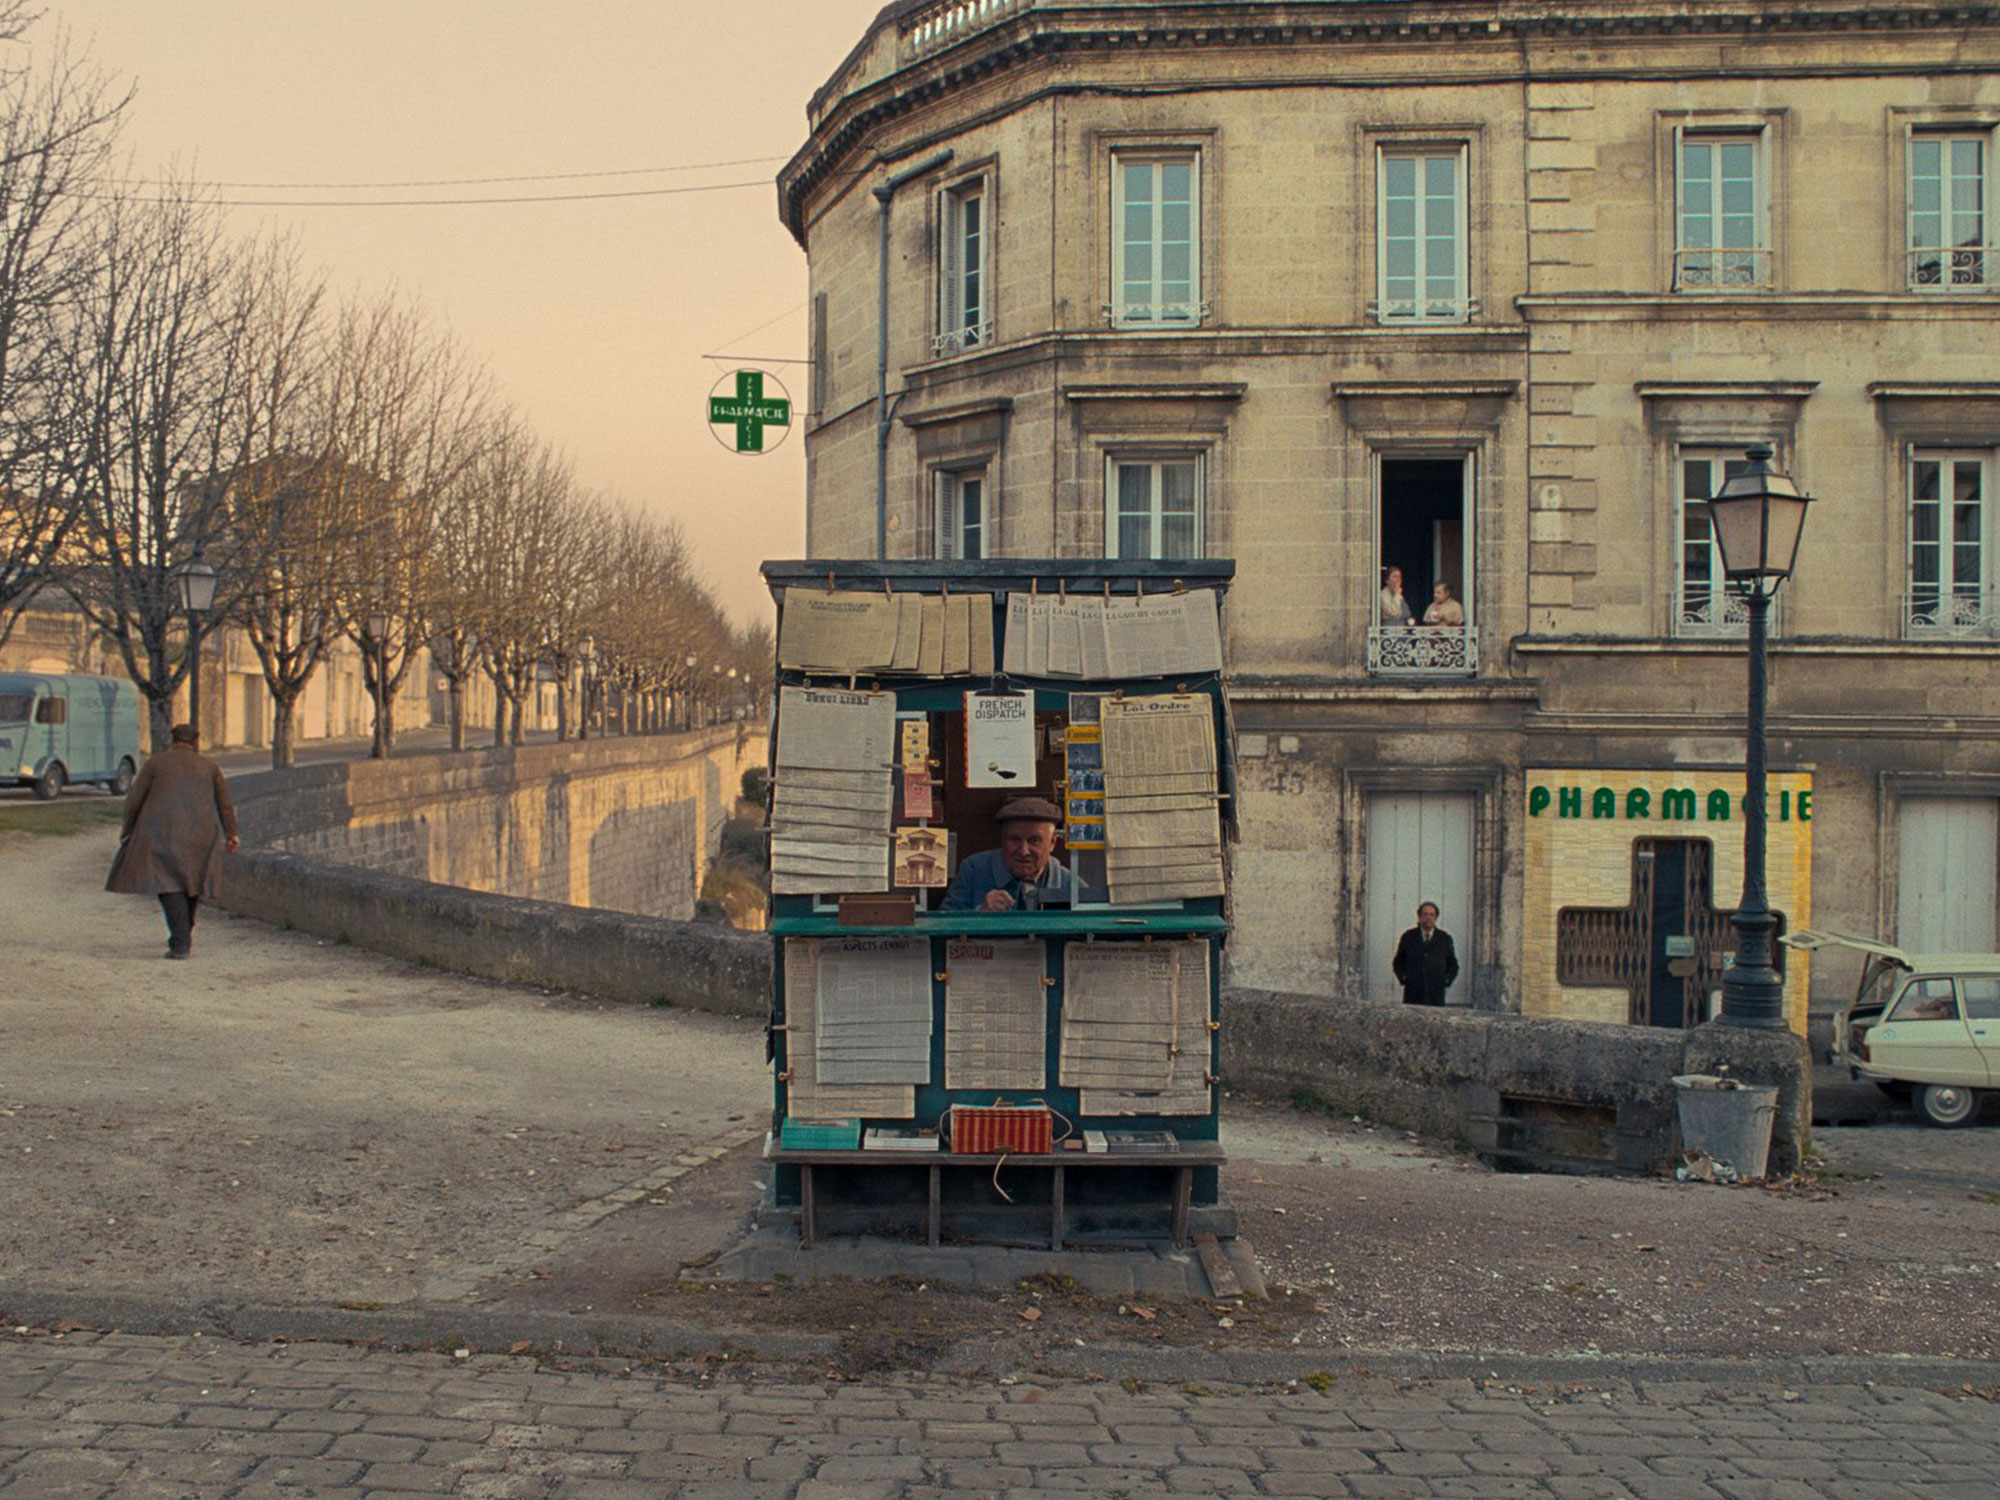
(714, 187)
(700, 166)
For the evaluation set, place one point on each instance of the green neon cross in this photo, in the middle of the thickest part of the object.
(750, 411)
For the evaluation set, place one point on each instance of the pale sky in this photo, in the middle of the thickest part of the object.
(594, 316)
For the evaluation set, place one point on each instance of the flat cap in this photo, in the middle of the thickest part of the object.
(1029, 810)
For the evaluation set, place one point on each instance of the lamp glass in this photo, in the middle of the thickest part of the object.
(1758, 515)
(378, 624)
(196, 581)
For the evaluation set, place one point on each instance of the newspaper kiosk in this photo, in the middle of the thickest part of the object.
(1044, 1074)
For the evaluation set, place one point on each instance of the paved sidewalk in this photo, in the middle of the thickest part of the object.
(117, 1417)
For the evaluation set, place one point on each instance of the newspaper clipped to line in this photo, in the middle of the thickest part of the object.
(1188, 1091)
(806, 1097)
(875, 1010)
(850, 632)
(1090, 636)
(1162, 819)
(1118, 1016)
(833, 793)
(995, 1014)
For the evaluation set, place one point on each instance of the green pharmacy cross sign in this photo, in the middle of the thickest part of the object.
(739, 418)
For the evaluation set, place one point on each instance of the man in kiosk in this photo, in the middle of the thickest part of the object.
(1022, 874)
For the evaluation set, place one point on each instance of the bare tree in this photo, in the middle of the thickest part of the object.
(161, 349)
(411, 413)
(58, 122)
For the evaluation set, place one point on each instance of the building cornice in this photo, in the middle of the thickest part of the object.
(1770, 307)
(927, 61)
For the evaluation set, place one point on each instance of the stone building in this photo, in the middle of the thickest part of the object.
(1494, 294)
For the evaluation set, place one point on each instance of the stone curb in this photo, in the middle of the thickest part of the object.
(614, 1337)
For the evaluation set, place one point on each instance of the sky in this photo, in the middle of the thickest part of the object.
(595, 317)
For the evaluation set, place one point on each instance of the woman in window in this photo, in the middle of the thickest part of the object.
(1395, 609)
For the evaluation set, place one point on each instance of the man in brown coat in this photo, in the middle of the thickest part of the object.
(178, 821)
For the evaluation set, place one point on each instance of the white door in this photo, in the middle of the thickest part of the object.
(1945, 884)
(1419, 849)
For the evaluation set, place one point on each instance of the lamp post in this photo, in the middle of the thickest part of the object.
(687, 693)
(196, 582)
(1757, 515)
(378, 644)
(715, 697)
(587, 650)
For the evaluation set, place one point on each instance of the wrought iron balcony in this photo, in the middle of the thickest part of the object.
(1720, 613)
(1423, 650)
(1950, 268)
(958, 340)
(1934, 615)
(1156, 314)
(1738, 270)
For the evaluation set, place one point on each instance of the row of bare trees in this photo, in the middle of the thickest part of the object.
(169, 392)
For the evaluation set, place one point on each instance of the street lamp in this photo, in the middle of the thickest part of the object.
(196, 582)
(715, 697)
(378, 639)
(687, 692)
(1757, 516)
(587, 650)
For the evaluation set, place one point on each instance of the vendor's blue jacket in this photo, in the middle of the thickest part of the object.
(987, 871)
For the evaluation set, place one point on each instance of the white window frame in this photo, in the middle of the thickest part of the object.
(949, 513)
(1156, 309)
(1938, 260)
(1155, 465)
(1723, 265)
(1958, 599)
(1723, 616)
(1421, 307)
(965, 258)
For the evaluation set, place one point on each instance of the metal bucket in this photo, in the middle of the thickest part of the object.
(1727, 1121)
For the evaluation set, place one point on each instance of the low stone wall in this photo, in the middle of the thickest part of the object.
(620, 824)
(379, 853)
(647, 960)
(1487, 1079)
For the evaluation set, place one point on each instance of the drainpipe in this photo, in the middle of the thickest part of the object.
(883, 193)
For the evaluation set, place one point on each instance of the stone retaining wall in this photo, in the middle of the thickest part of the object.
(375, 853)
(620, 824)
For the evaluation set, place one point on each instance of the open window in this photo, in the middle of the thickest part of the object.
(1424, 510)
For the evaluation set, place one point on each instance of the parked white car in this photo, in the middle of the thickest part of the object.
(1923, 1023)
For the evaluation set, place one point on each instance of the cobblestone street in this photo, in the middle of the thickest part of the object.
(107, 1417)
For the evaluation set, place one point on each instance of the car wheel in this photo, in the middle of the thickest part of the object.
(49, 785)
(122, 782)
(1947, 1105)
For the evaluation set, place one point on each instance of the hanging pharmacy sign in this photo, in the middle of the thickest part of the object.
(743, 405)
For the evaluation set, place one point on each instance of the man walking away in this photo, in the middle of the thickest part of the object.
(1425, 962)
(178, 822)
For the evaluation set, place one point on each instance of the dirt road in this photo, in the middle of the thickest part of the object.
(284, 1122)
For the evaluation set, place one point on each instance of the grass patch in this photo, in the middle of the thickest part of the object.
(66, 815)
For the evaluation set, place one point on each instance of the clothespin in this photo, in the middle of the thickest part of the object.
(1214, 1026)
(1180, 586)
(829, 580)
(786, 1076)
(1139, 587)
(889, 588)
(1062, 589)
(1048, 983)
(942, 976)
(1034, 588)
(1211, 1079)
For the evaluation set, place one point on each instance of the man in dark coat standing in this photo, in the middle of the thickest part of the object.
(1425, 961)
(178, 822)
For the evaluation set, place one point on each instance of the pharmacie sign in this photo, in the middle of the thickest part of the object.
(1660, 799)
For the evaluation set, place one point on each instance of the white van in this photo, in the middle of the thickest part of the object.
(55, 730)
(1922, 1024)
